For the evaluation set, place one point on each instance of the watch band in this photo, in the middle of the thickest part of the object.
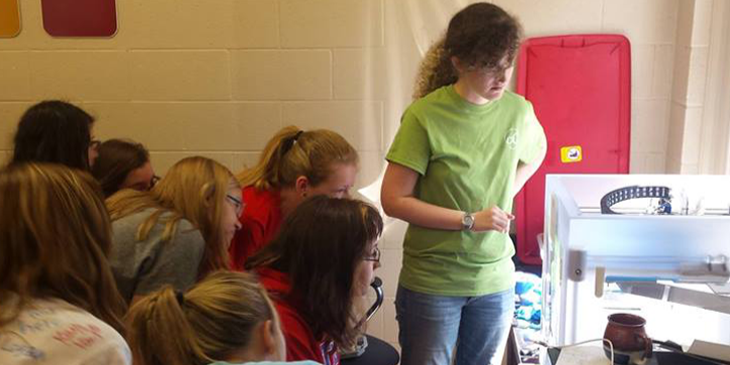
(634, 192)
(467, 221)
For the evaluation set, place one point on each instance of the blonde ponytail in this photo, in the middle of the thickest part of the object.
(211, 321)
(293, 152)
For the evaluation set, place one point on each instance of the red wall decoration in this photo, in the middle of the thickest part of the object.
(79, 18)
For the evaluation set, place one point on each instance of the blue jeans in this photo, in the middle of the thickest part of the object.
(430, 326)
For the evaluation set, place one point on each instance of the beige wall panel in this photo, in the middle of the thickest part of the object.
(196, 126)
(15, 76)
(244, 160)
(642, 69)
(180, 75)
(257, 123)
(361, 74)
(10, 113)
(256, 24)
(681, 74)
(692, 135)
(331, 23)
(176, 24)
(674, 139)
(139, 122)
(80, 75)
(644, 22)
(359, 122)
(655, 163)
(663, 71)
(391, 260)
(650, 125)
(391, 325)
(697, 82)
(282, 75)
(200, 126)
(637, 163)
(554, 17)
(372, 163)
(685, 17)
(702, 22)
(690, 169)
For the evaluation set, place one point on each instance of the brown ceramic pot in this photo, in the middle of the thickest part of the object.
(626, 332)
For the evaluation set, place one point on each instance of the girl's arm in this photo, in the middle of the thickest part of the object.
(525, 171)
(398, 201)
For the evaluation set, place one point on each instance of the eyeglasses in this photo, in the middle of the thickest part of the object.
(374, 256)
(154, 181)
(237, 203)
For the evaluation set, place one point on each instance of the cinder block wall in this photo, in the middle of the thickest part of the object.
(218, 78)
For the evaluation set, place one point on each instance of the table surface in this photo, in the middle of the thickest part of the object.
(378, 352)
(658, 358)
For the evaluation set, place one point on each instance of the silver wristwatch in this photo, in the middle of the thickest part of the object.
(467, 221)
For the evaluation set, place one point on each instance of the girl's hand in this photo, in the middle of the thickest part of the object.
(492, 219)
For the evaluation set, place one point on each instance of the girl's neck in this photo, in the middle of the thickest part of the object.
(466, 93)
(290, 199)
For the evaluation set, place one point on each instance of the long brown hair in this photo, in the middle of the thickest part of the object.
(208, 323)
(194, 189)
(480, 35)
(292, 153)
(54, 131)
(117, 158)
(320, 229)
(55, 236)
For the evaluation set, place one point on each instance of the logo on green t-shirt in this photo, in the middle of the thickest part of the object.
(511, 139)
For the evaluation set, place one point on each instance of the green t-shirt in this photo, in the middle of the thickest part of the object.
(466, 156)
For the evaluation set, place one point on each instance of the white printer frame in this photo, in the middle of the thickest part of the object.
(669, 269)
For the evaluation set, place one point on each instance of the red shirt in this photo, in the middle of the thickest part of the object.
(301, 343)
(260, 222)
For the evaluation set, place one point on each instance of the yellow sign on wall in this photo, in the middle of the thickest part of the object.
(571, 154)
(9, 18)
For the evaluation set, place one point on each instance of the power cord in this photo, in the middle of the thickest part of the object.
(610, 345)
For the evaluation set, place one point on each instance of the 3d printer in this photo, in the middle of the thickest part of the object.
(654, 245)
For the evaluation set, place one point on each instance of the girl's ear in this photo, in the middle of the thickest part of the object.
(207, 192)
(301, 185)
(268, 340)
(458, 65)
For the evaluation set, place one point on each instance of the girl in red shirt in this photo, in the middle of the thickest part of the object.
(324, 257)
(295, 164)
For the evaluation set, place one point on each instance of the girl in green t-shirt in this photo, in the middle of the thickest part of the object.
(465, 147)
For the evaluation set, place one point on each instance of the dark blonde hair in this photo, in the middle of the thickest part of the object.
(194, 189)
(480, 35)
(292, 153)
(320, 229)
(211, 321)
(55, 236)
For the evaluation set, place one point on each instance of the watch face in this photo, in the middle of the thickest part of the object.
(468, 221)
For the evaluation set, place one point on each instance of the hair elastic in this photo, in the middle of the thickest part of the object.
(180, 296)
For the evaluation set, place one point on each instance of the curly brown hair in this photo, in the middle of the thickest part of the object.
(480, 35)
